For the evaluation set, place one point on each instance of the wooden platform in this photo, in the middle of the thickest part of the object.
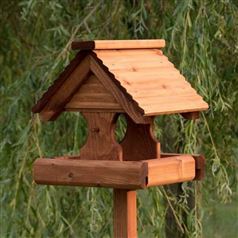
(116, 174)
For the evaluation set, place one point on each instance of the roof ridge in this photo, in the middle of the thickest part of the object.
(118, 44)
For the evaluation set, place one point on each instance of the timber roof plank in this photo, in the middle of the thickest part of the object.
(146, 72)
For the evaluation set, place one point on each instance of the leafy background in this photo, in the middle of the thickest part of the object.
(35, 38)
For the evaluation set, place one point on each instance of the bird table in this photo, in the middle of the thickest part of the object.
(105, 79)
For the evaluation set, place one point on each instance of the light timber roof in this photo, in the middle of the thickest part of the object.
(137, 74)
(152, 81)
(118, 44)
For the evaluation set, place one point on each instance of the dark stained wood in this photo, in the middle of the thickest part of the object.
(59, 82)
(190, 115)
(101, 144)
(115, 174)
(124, 213)
(92, 109)
(118, 44)
(84, 104)
(76, 172)
(92, 94)
(63, 95)
(200, 167)
(139, 142)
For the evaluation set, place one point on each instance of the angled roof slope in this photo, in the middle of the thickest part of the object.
(136, 67)
(152, 81)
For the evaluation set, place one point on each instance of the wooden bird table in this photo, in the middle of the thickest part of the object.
(104, 80)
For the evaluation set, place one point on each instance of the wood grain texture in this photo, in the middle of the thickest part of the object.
(142, 81)
(139, 142)
(97, 173)
(118, 44)
(124, 213)
(152, 81)
(94, 109)
(101, 143)
(58, 82)
(129, 52)
(199, 164)
(117, 174)
(122, 97)
(92, 94)
(174, 169)
(64, 94)
(172, 109)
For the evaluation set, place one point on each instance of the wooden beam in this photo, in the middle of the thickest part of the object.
(59, 82)
(116, 174)
(65, 92)
(174, 169)
(199, 164)
(118, 44)
(97, 173)
(124, 213)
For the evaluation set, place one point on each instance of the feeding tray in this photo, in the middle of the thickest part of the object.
(104, 80)
(118, 174)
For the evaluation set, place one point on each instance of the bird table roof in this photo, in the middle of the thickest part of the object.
(146, 74)
(152, 81)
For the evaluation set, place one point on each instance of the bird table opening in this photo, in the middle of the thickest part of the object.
(107, 79)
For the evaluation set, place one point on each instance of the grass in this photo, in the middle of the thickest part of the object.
(221, 220)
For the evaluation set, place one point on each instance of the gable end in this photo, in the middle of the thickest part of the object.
(63, 94)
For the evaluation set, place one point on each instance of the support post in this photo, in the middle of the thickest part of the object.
(124, 217)
(139, 142)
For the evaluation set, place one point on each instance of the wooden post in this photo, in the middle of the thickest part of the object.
(124, 217)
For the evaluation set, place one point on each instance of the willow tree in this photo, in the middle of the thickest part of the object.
(35, 41)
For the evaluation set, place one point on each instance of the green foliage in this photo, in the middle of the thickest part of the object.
(35, 41)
